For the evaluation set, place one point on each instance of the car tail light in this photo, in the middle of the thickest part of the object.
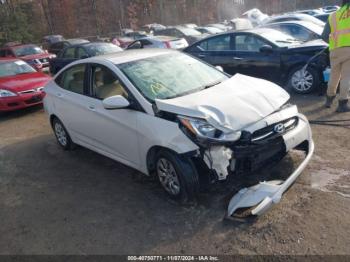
(167, 44)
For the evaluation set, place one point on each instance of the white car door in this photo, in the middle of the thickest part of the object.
(114, 132)
(71, 103)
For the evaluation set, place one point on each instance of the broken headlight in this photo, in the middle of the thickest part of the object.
(202, 130)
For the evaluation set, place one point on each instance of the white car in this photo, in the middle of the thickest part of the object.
(166, 113)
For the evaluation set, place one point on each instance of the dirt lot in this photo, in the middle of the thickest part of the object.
(55, 202)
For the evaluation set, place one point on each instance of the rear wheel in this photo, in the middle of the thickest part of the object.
(62, 135)
(304, 81)
(177, 175)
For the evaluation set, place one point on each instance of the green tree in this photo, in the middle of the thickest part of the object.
(14, 24)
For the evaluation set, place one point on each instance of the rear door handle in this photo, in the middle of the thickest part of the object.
(202, 56)
(59, 95)
(237, 58)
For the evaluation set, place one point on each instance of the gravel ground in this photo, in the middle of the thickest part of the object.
(55, 202)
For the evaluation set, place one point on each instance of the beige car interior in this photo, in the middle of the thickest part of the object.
(107, 85)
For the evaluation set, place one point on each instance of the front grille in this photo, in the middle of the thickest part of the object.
(252, 157)
(34, 99)
(44, 60)
(276, 129)
(27, 91)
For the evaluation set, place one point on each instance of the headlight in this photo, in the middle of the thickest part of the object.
(6, 93)
(205, 131)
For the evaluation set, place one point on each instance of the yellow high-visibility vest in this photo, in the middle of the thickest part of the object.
(340, 28)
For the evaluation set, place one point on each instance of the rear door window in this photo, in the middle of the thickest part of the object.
(219, 43)
(69, 53)
(249, 43)
(73, 79)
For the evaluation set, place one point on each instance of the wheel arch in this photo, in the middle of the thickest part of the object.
(154, 150)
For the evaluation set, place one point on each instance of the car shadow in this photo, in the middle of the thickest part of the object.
(5, 116)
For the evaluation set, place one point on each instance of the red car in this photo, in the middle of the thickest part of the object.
(20, 85)
(32, 54)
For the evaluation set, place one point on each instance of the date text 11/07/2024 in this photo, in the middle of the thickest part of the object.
(173, 258)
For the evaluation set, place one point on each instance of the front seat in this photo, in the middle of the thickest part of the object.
(111, 87)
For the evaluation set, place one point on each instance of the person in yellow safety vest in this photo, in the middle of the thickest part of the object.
(337, 33)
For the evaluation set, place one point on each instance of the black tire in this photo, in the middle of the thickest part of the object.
(303, 83)
(62, 136)
(186, 173)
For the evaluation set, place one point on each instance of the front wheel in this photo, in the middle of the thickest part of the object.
(177, 175)
(303, 81)
(62, 135)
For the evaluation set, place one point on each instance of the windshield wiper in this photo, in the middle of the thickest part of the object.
(212, 85)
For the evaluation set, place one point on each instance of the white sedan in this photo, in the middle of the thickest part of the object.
(168, 114)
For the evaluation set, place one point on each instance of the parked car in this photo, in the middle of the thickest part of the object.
(167, 114)
(209, 30)
(193, 26)
(265, 53)
(32, 54)
(191, 35)
(151, 28)
(293, 17)
(21, 85)
(136, 35)
(323, 17)
(81, 51)
(159, 42)
(241, 24)
(57, 47)
(300, 30)
(220, 26)
(51, 39)
(122, 41)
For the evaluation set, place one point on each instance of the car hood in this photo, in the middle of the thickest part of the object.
(310, 45)
(24, 82)
(232, 105)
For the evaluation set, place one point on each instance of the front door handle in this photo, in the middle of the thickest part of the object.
(237, 58)
(59, 95)
(92, 107)
(201, 56)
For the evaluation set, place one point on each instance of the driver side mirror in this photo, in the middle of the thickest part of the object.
(115, 102)
(267, 49)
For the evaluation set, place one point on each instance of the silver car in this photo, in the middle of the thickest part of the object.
(159, 42)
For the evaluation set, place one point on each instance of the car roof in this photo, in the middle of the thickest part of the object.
(161, 37)
(299, 22)
(88, 44)
(131, 55)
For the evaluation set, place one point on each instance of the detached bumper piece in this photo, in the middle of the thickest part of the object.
(260, 198)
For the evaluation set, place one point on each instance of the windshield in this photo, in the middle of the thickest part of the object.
(102, 49)
(190, 31)
(279, 38)
(15, 68)
(314, 27)
(170, 76)
(28, 50)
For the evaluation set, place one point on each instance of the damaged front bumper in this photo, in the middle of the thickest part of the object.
(260, 198)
